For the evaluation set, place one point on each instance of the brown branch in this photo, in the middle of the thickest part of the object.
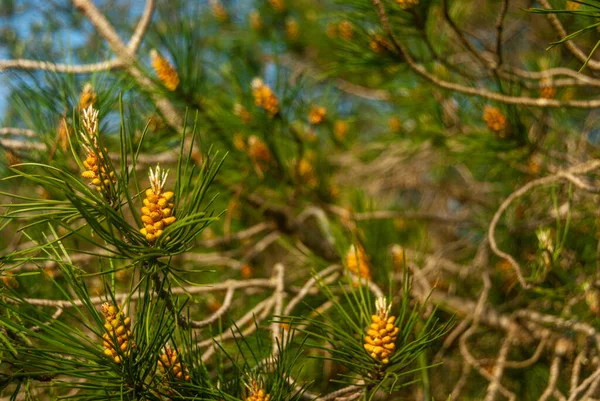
(499, 31)
(483, 93)
(17, 132)
(196, 324)
(106, 30)
(120, 297)
(461, 38)
(301, 66)
(142, 26)
(22, 64)
(568, 175)
(570, 45)
(133, 45)
(21, 145)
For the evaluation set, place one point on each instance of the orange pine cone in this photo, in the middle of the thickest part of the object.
(380, 341)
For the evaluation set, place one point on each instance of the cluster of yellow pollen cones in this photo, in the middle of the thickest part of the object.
(116, 327)
(157, 212)
(169, 362)
(382, 334)
(257, 393)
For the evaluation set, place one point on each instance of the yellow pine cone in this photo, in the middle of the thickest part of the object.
(406, 4)
(398, 256)
(256, 393)
(340, 129)
(87, 97)
(242, 113)
(379, 44)
(317, 114)
(331, 30)
(219, 11)
(264, 97)
(292, 29)
(548, 92)
(10, 281)
(164, 70)
(592, 298)
(255, 20)
(258, 150)
(357, 262)
(11, 158)
(158, 208)
(277, 5)
(169, 363)
(394, 124)
(156, 123)
(96, 173)
(239, 142)
(495, 120)
(380, 341)
(346, 30)
(246, 271)
(306, 173)
(63, 132)
(116, 326)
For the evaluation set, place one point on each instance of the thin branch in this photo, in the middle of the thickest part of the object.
(22, 64)
(106, 30)
(239, 236)
(279, 276)
(499, 30)
(466, 44)
(500, 365)
(142, 26)
(308, 286)
(567, 174)
(120, 297)
(483, 93)
(570, 45)
(133, 45)
(220, 312)
(18, 132)
(554, 372)
(335, 394)
(21, 145)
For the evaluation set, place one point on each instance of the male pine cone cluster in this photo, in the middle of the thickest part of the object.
(96, 172)
(264, 97)
(158, 208)
(317, 114)
(95, 165)
(169, 363)
(357, 262)
(164, 70)
(117, 328)
(380, 341)
(495, 120)
(257, 393)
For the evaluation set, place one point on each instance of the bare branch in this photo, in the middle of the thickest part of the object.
(22, 64)
(568, 174)
(120, 297)
(483, 93)
(17, 132)
(570, 45)
(142, 26)
(499, 30)
(22, 145)
(212, 318)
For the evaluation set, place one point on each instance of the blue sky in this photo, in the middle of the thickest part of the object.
(29, 13)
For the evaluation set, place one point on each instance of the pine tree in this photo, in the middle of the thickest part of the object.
(283, 200)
